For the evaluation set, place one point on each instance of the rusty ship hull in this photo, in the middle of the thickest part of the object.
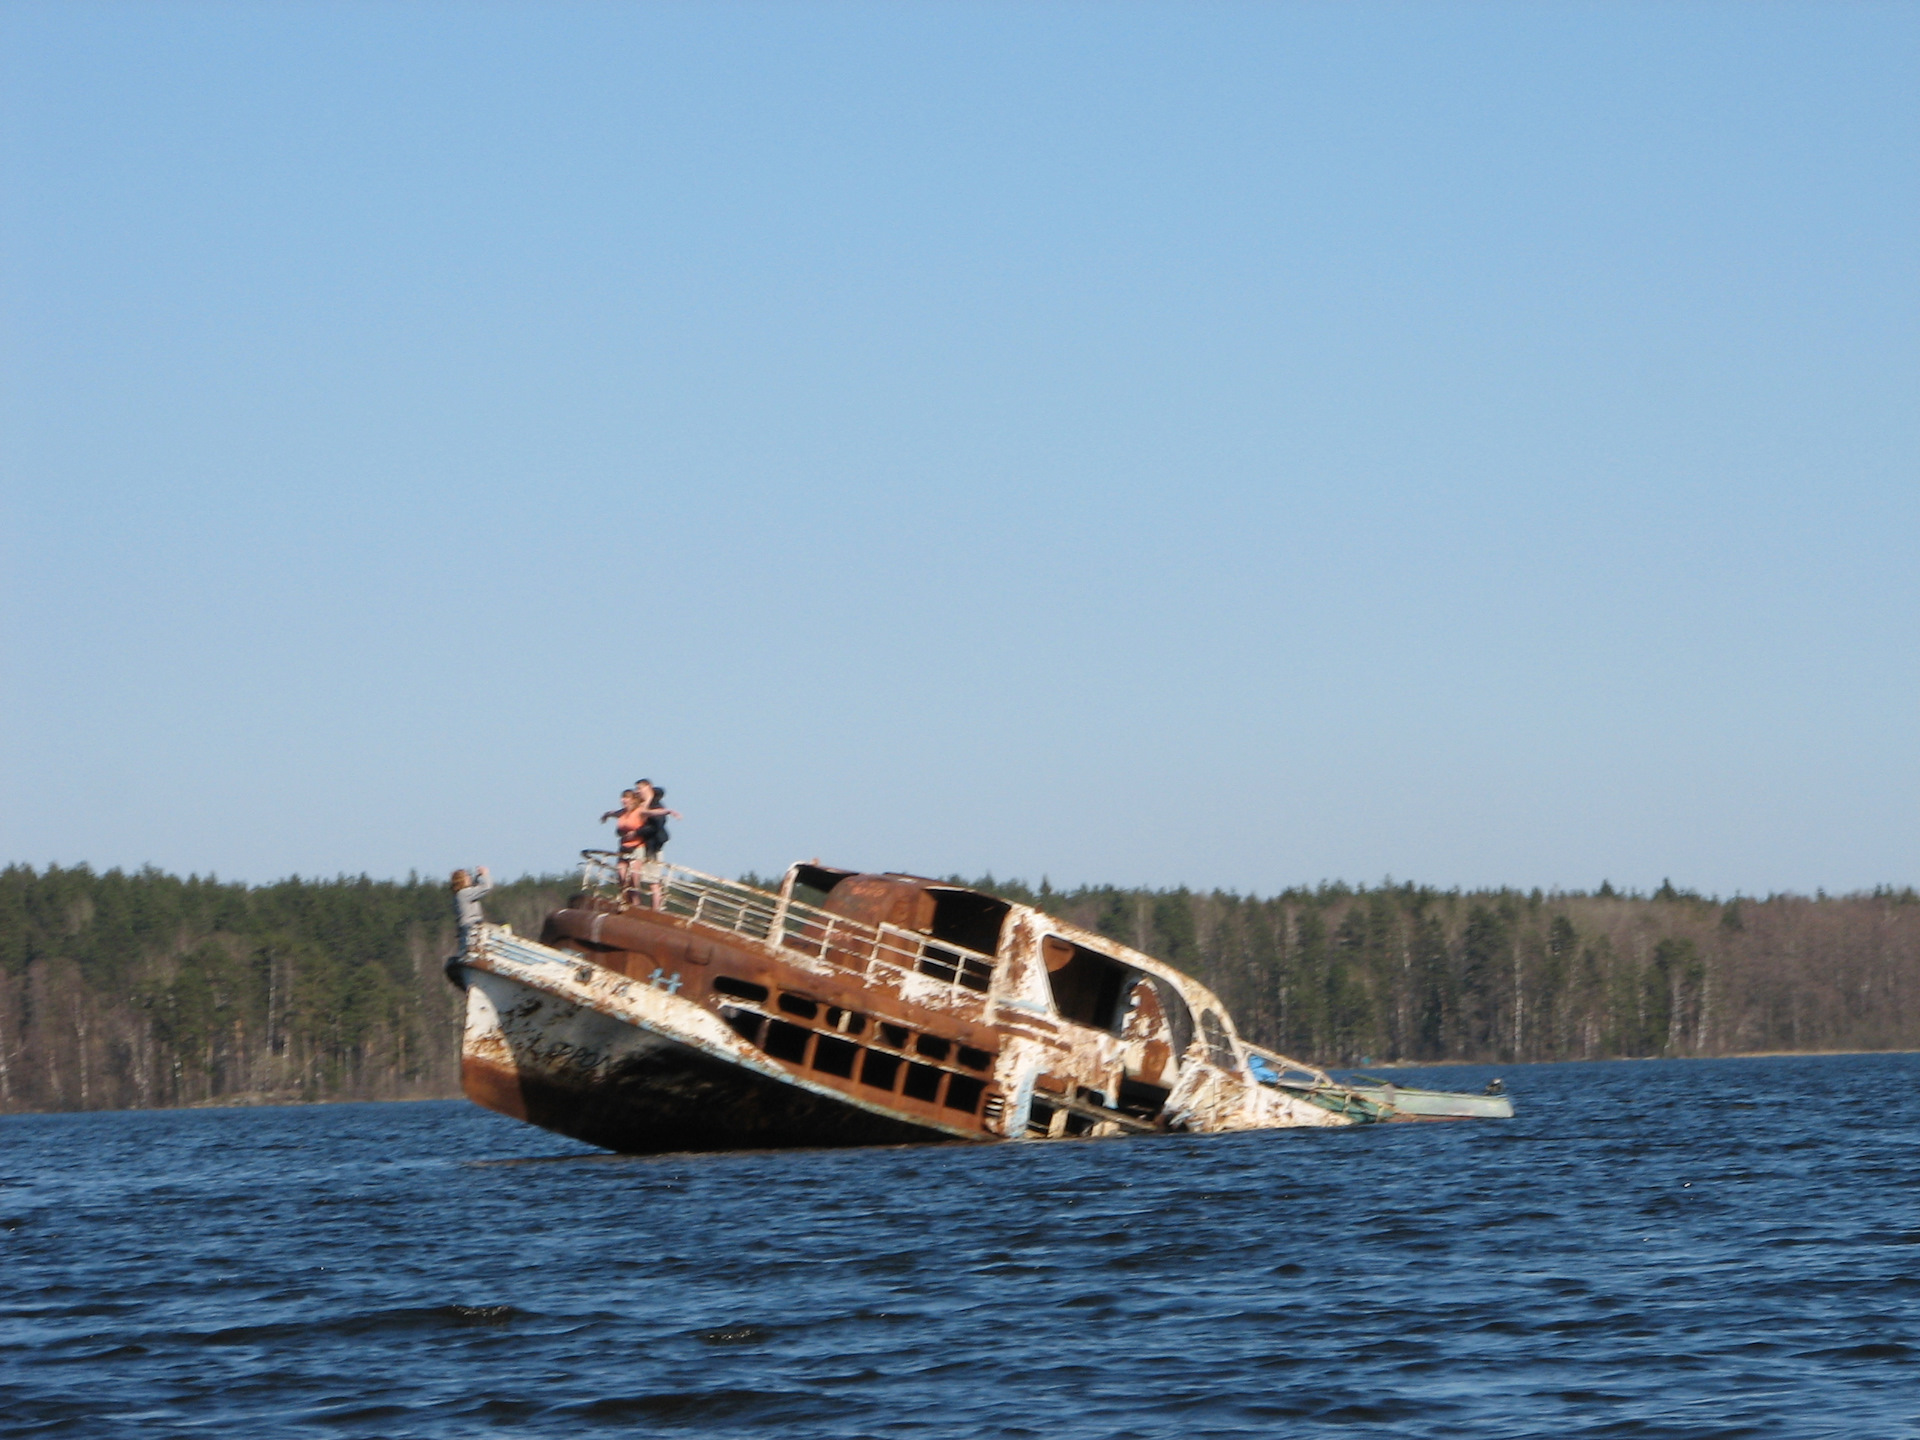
(695, 1013)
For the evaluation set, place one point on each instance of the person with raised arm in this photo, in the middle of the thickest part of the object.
(467, 895)
(628, 823)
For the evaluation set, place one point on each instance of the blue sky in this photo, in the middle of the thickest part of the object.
(1208, 444)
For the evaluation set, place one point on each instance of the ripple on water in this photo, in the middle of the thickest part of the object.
(1604, 1265)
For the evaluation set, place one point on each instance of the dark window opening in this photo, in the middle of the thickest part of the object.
(1139, 1098)
(879, 1070)
(1039, 1118)
(794, 1005)
(739, 989)
(894, 1035)
(1086, 985)
(940, 964)
(845, 1020)
(813, 883)
(960, 917)
(964, 1092)
(786, 1042)
(933, 1047)
(835, 1057)
(975, 975)
(743, 1023)
(1078, 1124)
(923, 1082)
(974, 1059)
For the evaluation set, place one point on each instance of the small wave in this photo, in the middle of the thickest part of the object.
(365, 1322)
(733, 1335)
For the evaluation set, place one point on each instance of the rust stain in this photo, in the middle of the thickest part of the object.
(895, 1009)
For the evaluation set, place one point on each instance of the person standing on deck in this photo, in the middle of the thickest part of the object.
(629, 823)
(653, 834)
(467, 894)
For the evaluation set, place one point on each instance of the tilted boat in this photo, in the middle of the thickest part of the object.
(696, 1013)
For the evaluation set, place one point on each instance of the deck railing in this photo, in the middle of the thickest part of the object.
(780, 921)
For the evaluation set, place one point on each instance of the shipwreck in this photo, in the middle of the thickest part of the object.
(695, 1013)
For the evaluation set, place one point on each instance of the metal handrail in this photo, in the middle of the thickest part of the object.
(779, 921)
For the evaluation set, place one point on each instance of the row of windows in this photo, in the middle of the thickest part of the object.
(886, 1034)
(831, 1054)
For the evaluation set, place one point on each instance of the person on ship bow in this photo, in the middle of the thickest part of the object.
(467, 894)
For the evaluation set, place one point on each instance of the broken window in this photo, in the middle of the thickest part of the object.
(795, 1005)
(1086, 984)
(739, 989)
(1139, 1098)
(813, 883)
(744, 1023)
(968, 919)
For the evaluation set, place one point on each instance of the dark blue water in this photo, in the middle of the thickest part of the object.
(1652, 1249)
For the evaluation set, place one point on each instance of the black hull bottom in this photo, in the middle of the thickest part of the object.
(673, 1098)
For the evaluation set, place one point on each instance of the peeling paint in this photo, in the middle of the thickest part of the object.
(735, 1017)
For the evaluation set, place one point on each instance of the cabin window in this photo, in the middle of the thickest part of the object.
(744, 1023)
(739, 989)
(879, 1070)
(969, 920)
(951, 967)
(932, 1047)
(894, 1035)
(923, 1082)
(794, 1005)
(845, 1021)
(786, 1042)
(1139, 1098)
(941, 964)
(1086, 984)
(964, 1092)
(835, 1057)
(813, 883)
(974, 1059)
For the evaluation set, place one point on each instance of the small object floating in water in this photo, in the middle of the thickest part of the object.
(687, 1012)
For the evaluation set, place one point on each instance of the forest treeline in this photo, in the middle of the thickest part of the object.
(133, 990)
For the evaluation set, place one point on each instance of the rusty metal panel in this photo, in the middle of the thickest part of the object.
(732, 1016)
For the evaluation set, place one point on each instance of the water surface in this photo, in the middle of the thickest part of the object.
(1655, 1249)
